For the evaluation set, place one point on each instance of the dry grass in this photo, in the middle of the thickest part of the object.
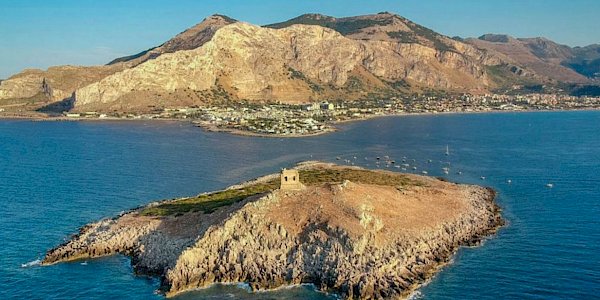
(208, 203)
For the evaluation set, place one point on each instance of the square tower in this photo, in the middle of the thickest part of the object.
(290, 180)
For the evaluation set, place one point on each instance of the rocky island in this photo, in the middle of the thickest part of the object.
(355, 232)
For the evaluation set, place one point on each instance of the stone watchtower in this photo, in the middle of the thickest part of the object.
(290, 180)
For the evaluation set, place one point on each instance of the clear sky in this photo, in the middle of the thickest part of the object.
(42, 33)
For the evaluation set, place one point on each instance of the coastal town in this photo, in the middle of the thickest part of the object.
(310, 119)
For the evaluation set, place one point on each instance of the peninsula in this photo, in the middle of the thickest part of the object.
(355, 232)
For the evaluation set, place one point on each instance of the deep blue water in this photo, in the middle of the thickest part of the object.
(57, 176)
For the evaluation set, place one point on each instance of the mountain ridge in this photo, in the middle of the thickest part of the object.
(253, 63)
(390, 55)
(546, 57)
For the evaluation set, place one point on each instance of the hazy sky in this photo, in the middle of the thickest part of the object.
(42, 33)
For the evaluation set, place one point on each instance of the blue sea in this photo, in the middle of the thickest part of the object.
(58, 176)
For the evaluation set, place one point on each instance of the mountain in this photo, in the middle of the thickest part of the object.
(545, 57)
(309, 58)
(54, 84)
(40, 87)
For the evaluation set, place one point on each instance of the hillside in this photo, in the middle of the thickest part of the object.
(379, 27)
(191, 38)
(545, 57)
(299, 63)
(359, 233)
(34, 89)
(309, 58)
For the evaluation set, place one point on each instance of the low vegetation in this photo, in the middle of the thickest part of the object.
(344, 26)
(208, 203)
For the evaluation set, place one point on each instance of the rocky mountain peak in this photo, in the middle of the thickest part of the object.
(191, 38)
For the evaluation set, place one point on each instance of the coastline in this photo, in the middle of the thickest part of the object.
(330, 127)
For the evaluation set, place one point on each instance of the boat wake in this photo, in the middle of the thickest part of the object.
(34, 263)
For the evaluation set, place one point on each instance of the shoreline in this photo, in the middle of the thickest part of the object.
(331, 127)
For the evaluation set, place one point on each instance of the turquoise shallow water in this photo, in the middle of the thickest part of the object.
(57, 176)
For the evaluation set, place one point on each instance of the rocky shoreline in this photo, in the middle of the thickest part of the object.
(354, 238)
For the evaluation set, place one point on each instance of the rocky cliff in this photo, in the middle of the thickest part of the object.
(298, 63)
(191, 38)
(380, 235)
(309, 58)
(54, 84)
(59, 83)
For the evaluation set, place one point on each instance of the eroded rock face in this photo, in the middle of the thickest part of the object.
(358, 240)
(220, 59)
(254, 63)
(191, 38)
(60, 82)
(56, 83)
(341, 239)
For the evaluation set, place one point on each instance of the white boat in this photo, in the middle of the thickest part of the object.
(482, 177)
(509, 181)
(424, 172)
(447, 150)
(550, 185)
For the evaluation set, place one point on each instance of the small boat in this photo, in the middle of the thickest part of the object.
(550, 185)
(447, 150)
(424, 172)
(482, 177)
(459, 173)
(509, 181)
(414, 168)
(338, 158)
(378, 158)
(429, 161)
(84, 263)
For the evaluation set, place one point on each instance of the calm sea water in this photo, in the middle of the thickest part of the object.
(57, 176)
